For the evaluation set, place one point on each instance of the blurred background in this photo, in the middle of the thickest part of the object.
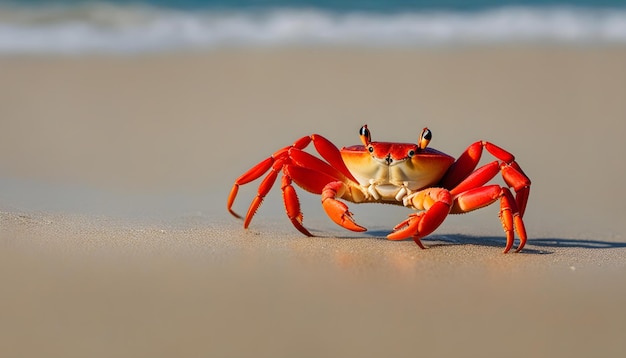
(112, 112)
(140, 26)
(155, 107)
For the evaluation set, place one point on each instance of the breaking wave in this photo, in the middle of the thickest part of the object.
(107, 28)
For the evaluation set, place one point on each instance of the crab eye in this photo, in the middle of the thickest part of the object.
(370, 149)
(411, 153)
(364, 131)
(365, 135)
(428, 135)
(425, 138)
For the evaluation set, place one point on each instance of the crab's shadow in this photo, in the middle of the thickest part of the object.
(533, 246)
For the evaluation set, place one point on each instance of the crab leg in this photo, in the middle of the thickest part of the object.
(463, 166)
(331, 153)
(478, 178)
(468, 161)
(320, 182)
(466, 187)
(435, 203)
(302, 159)
(461, 171)
(292, 205)
(477, 198)
(247, 177)
(264, 188)
(310, 180)
(516, 179)
(470, 195)
(510, 217)
(308, 171)
(256, 172)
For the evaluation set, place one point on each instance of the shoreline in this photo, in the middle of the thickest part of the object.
(115, 239)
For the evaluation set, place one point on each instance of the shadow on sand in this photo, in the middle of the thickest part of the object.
(533, 246)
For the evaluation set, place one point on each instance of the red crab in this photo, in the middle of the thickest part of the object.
(412, 175)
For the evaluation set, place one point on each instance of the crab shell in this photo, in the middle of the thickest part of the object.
(392, 166)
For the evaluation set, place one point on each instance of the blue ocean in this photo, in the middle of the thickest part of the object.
(139, 26)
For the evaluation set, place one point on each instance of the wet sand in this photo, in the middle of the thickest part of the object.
(115, 240)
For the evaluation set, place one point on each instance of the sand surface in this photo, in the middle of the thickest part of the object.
(115, 241)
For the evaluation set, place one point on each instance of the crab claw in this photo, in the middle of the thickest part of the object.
(339, 213)
(337, 210)
(408, 228)
(421, 224)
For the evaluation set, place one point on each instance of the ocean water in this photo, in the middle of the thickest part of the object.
(118, 26)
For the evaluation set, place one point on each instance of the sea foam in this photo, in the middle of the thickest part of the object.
(102, 28)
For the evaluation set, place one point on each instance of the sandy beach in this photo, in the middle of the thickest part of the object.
(115, 239)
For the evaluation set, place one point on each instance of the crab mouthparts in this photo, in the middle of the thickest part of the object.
(388, 160)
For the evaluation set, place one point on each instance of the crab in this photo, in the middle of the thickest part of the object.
(413, 175)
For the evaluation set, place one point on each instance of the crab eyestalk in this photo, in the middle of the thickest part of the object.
(425, 138)
(366, 136)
